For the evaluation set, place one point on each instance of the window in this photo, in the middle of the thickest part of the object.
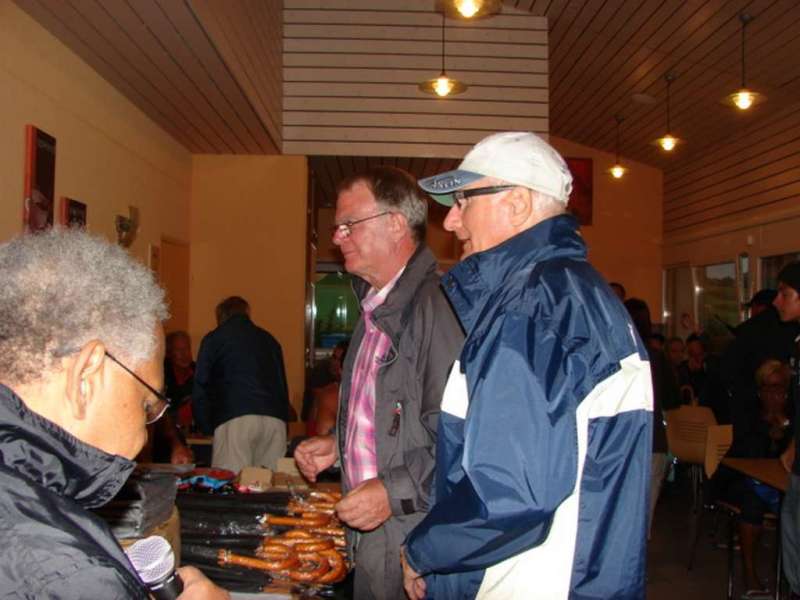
(718, 307)
(772, 265)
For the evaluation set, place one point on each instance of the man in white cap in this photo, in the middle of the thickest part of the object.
(544, 443)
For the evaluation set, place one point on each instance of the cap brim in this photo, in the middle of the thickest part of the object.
(442, 186)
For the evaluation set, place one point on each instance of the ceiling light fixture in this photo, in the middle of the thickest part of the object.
(617, 171)
(469, 9)
(744, 98)
(443, 85)
(668, 141)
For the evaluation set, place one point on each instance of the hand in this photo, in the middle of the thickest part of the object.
(412, 582)
(787, 458)
(197, 586)
(315, 455)
(365, 507)
(181, 455)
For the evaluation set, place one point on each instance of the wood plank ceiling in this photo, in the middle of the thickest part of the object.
(207, 70)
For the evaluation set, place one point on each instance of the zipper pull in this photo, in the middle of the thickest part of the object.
(398, 408)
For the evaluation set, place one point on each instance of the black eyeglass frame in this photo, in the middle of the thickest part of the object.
(461, 196)
(160, 395)
(345, 229)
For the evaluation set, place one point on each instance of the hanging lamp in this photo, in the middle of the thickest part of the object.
(617, 171)
(443, 85)
(744, 98)
(668, 141)
(469, 9)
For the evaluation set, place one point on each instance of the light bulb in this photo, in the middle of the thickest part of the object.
(443, 86)
(667, 142)
(617, 171)
(468, 8)
(743, 99)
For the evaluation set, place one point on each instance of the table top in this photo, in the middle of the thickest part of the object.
(766, 470)
(198, 440)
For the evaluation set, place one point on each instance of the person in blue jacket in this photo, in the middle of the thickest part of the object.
(544, 441)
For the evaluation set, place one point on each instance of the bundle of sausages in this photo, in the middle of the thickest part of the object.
(310, 551)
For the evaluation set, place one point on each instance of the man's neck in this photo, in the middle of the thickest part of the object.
(398, 260)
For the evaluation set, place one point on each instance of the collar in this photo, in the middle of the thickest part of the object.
(375, 298)
(45, 454)
(470, 282)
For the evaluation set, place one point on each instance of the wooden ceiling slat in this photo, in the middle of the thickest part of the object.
(233, 75)
(194, 103)
(267, 21)
(42, 14)
(143, 80)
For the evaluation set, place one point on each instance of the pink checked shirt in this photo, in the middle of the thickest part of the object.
(360, 460)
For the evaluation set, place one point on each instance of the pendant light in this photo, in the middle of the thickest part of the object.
(443, 85)
(668, 141)
(470, 9)
(744, 98)
(617, 171)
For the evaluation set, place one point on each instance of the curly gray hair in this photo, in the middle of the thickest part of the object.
(63, 288)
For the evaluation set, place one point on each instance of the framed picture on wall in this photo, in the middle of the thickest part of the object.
(73, 213)
(580, 200)
(40, 177)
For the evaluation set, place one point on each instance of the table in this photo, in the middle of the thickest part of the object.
(766, 470)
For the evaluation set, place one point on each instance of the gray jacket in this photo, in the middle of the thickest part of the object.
(426, 338)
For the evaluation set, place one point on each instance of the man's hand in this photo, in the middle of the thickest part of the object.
(181, 454)
(315, 455)
(366, 506)
(413, 583)
(197, 587)
(787, 458)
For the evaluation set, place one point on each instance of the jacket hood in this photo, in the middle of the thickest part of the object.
(44, 453)
(469, 283)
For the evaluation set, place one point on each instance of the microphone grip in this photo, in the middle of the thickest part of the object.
(168, 588)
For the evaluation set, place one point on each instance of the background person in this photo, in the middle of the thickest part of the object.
(240, 392)
(81, 360)
(402, 346)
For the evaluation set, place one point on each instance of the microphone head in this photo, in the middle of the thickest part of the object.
(152, 558)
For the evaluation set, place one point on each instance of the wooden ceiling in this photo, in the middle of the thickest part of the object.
(198, 69)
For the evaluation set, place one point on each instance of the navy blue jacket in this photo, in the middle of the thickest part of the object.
(544, 442)
(239, 372)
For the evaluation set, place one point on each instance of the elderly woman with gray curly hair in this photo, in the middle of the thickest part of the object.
(81, 354)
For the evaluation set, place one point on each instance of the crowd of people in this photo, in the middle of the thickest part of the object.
(499, 430)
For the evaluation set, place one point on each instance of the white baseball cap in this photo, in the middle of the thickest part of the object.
(518, 157)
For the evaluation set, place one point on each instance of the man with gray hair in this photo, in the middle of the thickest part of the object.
(81, 365)
(544, 442)
(392, 378)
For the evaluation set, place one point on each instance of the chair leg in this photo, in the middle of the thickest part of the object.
(778, 562)
(695, 520)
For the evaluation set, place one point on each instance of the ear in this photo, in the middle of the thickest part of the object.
(519, 204)
(398, 225)
(84, 377)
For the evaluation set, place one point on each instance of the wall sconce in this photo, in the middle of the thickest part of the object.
(127, 227)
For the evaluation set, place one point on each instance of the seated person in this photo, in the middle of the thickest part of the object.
(322, 420)
(81, 360)
(767, 438)
(179, 378)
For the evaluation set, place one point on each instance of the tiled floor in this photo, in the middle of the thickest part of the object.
(668, 553)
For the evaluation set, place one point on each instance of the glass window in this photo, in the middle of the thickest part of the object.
(718, 307)
(335, 311)
(772, 265)
(678, 301)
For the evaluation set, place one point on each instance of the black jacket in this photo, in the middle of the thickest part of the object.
(51, 546)
(239, 372)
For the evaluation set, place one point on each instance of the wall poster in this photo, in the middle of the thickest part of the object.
(40, 176)
(73, 213)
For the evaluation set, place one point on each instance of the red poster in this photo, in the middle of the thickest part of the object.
(40, 177)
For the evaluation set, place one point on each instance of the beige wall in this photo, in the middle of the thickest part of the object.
(109, 154)
(248, 231)
(625, 238)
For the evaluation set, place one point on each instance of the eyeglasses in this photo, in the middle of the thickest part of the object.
(155, 410)
(345, 229)
(461, 196)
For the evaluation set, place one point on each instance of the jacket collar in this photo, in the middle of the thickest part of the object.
(470, 282)
(45, 454)
(389, 316)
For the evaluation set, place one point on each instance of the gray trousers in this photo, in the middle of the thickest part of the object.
(249, 441)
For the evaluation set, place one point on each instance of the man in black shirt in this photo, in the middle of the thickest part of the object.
(240, 392)
(787, 302)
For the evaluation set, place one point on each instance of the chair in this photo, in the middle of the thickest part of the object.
(687, 428)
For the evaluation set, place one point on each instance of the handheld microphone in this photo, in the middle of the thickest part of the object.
(153, 560)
